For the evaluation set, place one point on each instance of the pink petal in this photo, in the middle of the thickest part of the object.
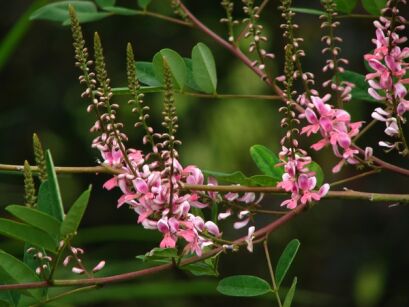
(110, 184)
(241, 224)
(99, 266)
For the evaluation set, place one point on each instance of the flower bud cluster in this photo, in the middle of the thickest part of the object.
(388, 79)
(42, 259)
(297, 53)
(78, 267)
(228, 6)
(341, 88)
(255, 32)
(177, 10)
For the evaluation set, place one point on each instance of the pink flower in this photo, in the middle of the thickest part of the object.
(334, 126)
(212, 228)
(249, 238)
(99, 266)
(387, 81)
(299, 181)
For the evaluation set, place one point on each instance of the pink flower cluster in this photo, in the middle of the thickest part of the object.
(150, 192)
(335, 127)
(387, 82)
(299, 180)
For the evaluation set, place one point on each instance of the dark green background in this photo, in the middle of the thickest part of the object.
(352, 253)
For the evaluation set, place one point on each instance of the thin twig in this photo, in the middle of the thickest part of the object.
(64, 169)
(349, 179)
(167, 18)
(67, 293)
(348, 194)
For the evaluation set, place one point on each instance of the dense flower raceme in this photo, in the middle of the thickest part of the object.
(335, 127)
(150, 192)
(387, 82)
(298, 179)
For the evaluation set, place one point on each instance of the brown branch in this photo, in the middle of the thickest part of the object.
(348, 194)
(64, 169)
(166, 18)
(135, 274)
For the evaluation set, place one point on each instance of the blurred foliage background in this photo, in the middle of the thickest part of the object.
(352, 253)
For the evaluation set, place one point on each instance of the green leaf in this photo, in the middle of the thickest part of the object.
(345, 6)
(159, 255)
(87, 17)
(104, 3)
(243, 285)
(239, 178)
(290, 294)
(374, 7)
(305, 10)
(360, 91)
(27, 234)
(263, 181)
(207, 267)
(319, 173)
(235, 177)
(176, 64)
(58, 11)
(55, 206)
(74, 216)
(190, 81)
(19, 272)
(36, 218)
(119, 10)
(146, 74)
(204, 68)
(285, 260)
(266, 161)
(144, 3)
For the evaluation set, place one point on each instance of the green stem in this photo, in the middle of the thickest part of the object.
(67, 293)
(270, 268)
(56, 261)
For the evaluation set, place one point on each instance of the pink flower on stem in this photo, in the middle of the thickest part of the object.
(387, 81)
(299, 180)
(335, 127)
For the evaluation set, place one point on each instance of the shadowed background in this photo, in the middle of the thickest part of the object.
(352, 253)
